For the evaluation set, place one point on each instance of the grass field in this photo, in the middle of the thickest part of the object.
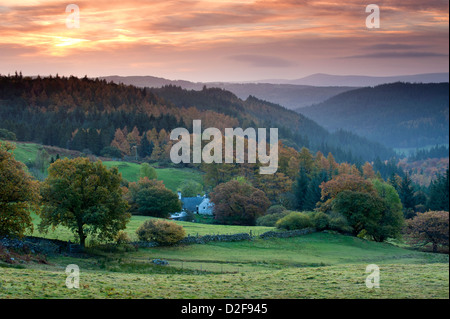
(26, 151)
(318, 265)
(192, 229)
(344, 281)
(172, 177)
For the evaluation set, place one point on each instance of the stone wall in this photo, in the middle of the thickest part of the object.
(287, 234)
(35, 245)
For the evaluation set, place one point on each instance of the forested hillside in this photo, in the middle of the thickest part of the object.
(397, 115)
(87, 115)
(295, 130)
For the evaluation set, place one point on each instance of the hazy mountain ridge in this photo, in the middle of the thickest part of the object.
(289, 95)
(321, 79)
(397, 115)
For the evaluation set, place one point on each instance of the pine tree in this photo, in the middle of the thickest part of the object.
(439, 197)
(406, 193)
(300, 189)
(314, 193)
(146, 147)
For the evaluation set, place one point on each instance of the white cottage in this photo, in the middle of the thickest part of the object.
(206, 207)
(197, 205)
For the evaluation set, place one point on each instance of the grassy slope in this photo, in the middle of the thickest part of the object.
(25, 151)
(172, 177)
(275, 268)
(320, 265)
(319, 249)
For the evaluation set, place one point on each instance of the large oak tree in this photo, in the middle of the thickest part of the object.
(85, 197)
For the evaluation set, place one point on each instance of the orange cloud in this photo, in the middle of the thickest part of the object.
(196, 34)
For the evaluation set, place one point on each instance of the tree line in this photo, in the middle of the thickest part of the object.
(92, 200)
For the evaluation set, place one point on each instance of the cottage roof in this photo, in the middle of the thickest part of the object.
(191, 203)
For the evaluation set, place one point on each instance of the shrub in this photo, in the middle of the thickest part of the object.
(161, 231)
(339, 223)
(295, 220)
(271, 219)
(320, 220)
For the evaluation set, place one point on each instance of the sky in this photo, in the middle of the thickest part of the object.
(224, 40)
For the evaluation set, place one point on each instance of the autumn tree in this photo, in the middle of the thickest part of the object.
(19, 194)
(120, 142)
(340, 183)
(273, 185)
(239, 203)
(429, 228)
(368, 171)
(85, 197)
(133, 137)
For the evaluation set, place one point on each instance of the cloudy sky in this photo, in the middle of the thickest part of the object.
(224, 40)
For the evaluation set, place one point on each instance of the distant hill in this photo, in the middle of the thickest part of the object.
(85, 115)
(321, 79)
(397, 115)
(289, 95)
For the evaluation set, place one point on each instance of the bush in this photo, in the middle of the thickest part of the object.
(295, 220)
(320, 220)
(161, 231)
(339, 223)
(271, 219)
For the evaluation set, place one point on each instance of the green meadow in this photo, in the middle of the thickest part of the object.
(320, 265)
(172, 177)
(192, 229)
